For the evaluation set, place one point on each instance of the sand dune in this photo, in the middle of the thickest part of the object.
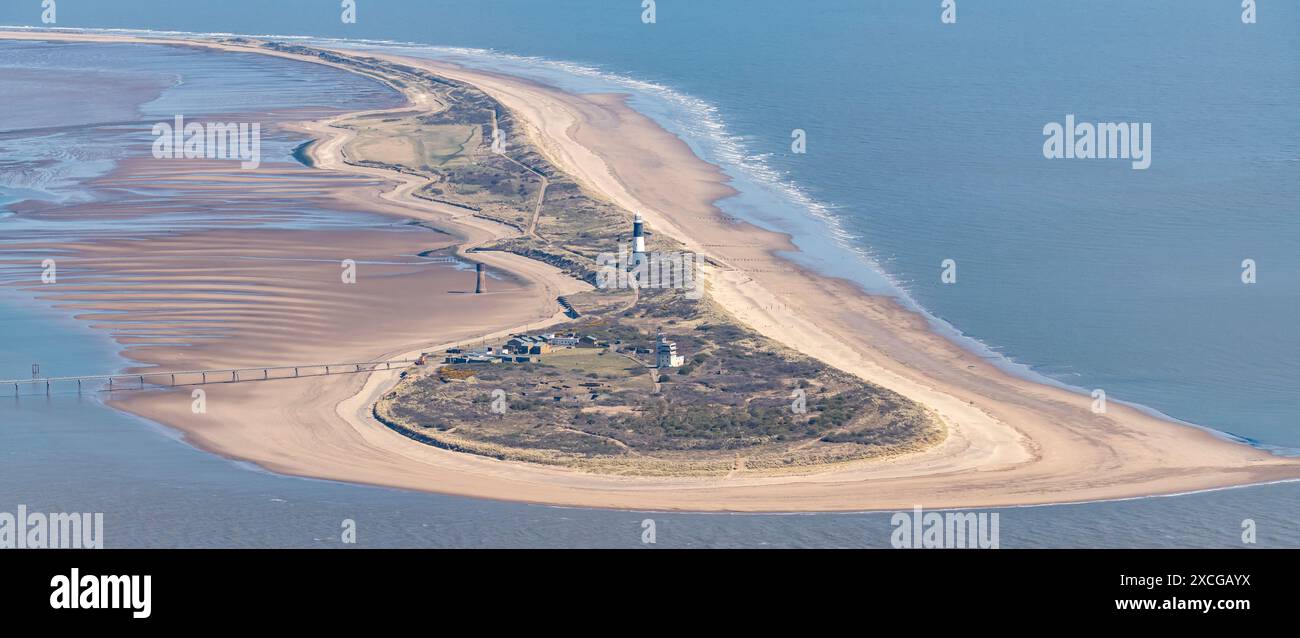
(1011, 441)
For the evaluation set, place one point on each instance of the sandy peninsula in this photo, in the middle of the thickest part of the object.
(1010, 441)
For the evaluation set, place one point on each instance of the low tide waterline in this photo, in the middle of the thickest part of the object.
(70, 453)
(420, 520)
(1139, 315)
(833, 240)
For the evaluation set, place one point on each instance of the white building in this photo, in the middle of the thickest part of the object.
(666, 354)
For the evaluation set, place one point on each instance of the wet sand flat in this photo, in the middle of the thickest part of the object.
(1011, 441)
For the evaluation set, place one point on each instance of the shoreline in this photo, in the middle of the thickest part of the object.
(623, 155)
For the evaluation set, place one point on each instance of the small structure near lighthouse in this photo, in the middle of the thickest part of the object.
(666, 354)
(479, 287)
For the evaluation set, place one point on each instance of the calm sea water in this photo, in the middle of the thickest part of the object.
(924, 144)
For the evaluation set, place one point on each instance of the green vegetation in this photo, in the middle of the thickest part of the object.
(740, 396)
(740, 402)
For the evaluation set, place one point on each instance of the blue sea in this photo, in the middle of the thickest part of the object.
(924, 144)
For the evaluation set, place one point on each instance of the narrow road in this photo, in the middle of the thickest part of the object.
(541, 195)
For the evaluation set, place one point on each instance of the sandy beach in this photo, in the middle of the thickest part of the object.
(1010, 441)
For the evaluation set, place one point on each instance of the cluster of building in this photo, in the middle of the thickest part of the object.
(484, 355)
(522, 348)
(666, 354)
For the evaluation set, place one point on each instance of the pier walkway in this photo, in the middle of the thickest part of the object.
(144, 380)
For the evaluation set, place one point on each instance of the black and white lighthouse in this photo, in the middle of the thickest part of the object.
(638, 237)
